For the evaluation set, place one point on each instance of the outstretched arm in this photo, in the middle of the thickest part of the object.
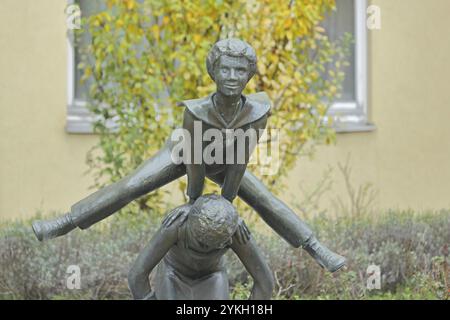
(253, 260)
(148, 259)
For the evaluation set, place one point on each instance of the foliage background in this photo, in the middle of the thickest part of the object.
(410, 248)
(142, 58)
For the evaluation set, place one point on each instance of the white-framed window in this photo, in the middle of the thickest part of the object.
(79, 119)
(350, 112)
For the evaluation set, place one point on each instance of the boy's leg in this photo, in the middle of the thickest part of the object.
(154, 173)
(283, 220)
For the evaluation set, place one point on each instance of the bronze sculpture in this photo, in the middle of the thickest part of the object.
(188, 252)
(231, 63)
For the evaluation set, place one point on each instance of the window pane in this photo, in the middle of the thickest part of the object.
(337, 24)
(88, 7)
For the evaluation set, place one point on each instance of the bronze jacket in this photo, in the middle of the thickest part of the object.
(253, 115)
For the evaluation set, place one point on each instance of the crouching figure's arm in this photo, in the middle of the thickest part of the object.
(251, 256)
(148, 259)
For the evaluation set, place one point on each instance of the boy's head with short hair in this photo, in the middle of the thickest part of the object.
(231, 47)
(212, 221)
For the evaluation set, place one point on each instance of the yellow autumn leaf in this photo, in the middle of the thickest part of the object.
(287, 23)
(119, 23)
(130, 4)
(197, 38)
(155, 30)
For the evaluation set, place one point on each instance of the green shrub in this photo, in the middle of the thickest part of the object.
(409, 248)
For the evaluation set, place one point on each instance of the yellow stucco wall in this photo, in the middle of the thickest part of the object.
(411, 104)
(407, 158)
(41, 167)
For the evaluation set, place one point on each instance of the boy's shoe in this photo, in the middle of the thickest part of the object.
(48, 229)
(324, 256)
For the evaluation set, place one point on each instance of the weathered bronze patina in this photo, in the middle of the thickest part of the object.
(231, 63)
(188, 251)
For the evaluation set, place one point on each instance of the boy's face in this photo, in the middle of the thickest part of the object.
(199, 246)
(231, 75)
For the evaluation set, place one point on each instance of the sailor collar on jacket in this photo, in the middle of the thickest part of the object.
(255, 106)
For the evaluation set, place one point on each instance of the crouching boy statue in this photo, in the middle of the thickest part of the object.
(188, 252)
(231, 63)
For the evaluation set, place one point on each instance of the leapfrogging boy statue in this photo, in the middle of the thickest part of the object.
(231, 63)
(188, 252)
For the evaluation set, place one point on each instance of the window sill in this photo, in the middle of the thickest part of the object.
(79, 120)
(355, 127)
